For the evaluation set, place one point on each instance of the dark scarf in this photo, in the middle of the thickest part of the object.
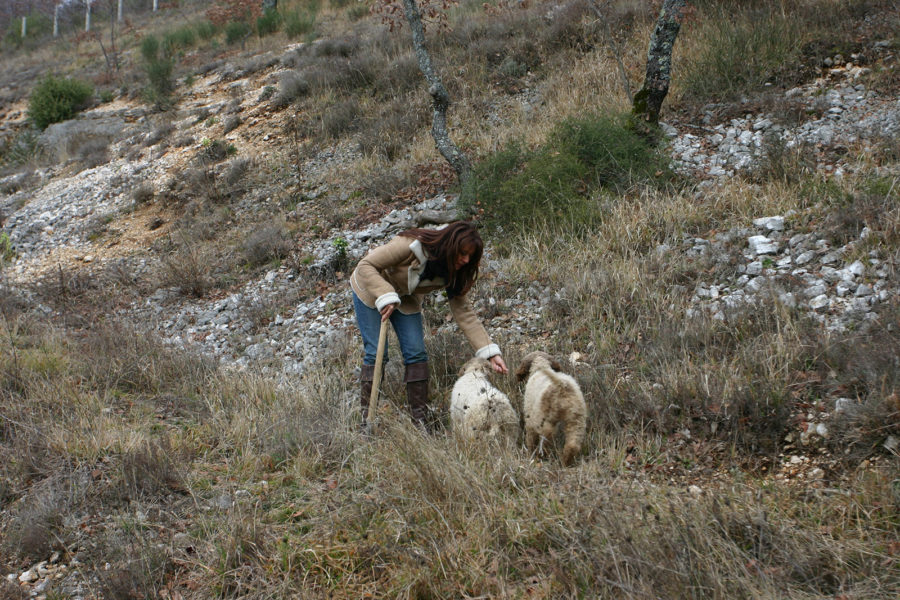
(438, 268)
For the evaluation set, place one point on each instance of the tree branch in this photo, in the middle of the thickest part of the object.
(439, 96)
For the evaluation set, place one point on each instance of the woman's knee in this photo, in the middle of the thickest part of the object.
(415, 355)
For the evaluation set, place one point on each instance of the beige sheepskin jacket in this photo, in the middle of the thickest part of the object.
(392, 273)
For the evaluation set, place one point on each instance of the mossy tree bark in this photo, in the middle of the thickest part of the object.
(439, 96)
(648, 101)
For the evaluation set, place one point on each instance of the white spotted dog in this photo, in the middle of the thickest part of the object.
(552, 399)
(478, 410)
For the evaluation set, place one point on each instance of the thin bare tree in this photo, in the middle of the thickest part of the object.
(112, 53)
(440, 98)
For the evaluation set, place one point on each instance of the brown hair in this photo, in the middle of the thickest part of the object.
(448, 243)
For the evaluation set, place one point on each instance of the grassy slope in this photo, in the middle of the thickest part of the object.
(117, 449)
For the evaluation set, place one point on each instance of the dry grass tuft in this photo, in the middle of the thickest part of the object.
(188, 267)
(134, 566)
(37, 524)
(394, 127)
(271, 241)
(151, 469)
(124, 360)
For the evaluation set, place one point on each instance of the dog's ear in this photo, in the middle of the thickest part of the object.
(554, 364)
(524, 367)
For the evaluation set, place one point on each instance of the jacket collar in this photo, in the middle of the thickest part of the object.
(418, 251)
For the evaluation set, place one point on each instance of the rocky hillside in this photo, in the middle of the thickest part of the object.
(84, 222)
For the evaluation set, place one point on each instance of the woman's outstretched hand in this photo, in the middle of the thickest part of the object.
(498, 364)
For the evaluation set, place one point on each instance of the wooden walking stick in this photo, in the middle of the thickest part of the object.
(376, 382)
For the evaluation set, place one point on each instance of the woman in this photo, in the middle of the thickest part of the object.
(389, 283)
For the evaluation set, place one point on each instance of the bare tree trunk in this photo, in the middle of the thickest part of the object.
(439, 96)
(155, 5)
(56, 21)
(24, 26)
(112, 57)
(119, 12)
(87, 15)
(648, 101)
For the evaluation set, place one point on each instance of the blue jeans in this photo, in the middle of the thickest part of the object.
(409, 330)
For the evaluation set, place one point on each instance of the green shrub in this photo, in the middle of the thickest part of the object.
(38, 26)
(357, 11)
(268, 23)
(55, 100)
(179, 39)
(158, 66)
(7, 252)
(517, 188)
(821, 190)
(12, 38)
(161, 85)
(214, 151)
(296, 24)
(149, 48)
(236, 32)
(205, 30)
(614, 154)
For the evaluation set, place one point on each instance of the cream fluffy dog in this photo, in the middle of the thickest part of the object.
(478, 410)
(551, 399)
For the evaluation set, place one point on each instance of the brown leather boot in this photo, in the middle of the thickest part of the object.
(366, 380)
(416, 379)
